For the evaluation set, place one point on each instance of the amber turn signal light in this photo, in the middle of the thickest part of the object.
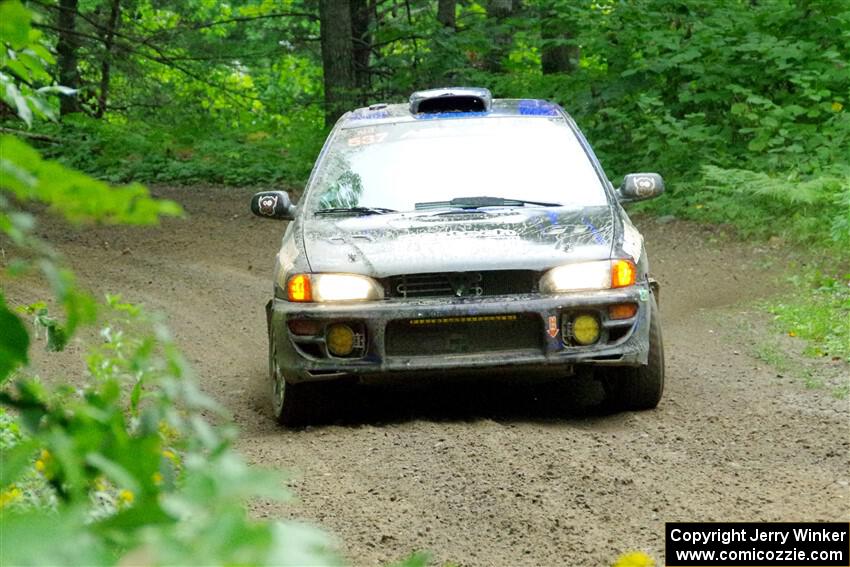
(623, 273)
(622, 311)
(298, 288)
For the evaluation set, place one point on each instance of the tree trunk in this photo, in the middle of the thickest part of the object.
(556, 56)
(337, 58)
(66, 50)
(361, 17)
(497, 12)
(105, 65)
(446, 13)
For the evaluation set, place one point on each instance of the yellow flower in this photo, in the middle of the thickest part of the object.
(126, 496)
(837, 106)
(43, 460)
(157, 478)
(635, 559)
(792, 334)
(9, 496)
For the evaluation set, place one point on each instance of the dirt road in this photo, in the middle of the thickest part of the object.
(504, 472)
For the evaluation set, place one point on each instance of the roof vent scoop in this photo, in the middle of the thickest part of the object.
(454, 99)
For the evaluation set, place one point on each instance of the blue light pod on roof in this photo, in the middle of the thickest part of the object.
(532, 107)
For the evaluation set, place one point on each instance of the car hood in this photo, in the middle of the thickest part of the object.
(420, 242)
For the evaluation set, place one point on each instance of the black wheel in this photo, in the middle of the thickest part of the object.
(293, 404)
(640, 388)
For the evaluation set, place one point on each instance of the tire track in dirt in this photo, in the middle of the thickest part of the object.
(491, 472)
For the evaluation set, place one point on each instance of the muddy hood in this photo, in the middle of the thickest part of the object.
(412, 243)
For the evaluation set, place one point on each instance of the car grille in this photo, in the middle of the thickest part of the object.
(462, 284)
(463, 335)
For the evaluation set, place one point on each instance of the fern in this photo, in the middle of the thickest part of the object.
(790, 191)
(813, 210)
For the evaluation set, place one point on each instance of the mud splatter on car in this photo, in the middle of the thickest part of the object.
(460, 234)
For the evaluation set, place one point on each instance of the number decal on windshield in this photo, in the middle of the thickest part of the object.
(367, 138)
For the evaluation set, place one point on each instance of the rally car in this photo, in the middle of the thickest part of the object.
(460, 233)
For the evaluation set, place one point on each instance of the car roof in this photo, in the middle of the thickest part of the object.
(394, 113)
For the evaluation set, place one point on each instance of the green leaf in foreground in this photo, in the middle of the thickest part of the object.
(142, 478)
(14, 341)
(74, 195)
(14, 23)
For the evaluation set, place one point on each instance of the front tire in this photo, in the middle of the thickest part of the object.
(293, 404)
(640, 388)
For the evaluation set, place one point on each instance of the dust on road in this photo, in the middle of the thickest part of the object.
(492, 472)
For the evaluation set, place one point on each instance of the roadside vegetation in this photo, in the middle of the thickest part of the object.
(123, 460)
(743, 107)
(819, 313)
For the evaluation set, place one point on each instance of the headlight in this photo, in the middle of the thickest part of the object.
(605, 274)
(332, 287)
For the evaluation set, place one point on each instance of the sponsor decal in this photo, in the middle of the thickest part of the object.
(553, 326)
(268, 203)
(645, 186)
(452, 320)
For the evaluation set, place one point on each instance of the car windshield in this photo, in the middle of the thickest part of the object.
(395, 166)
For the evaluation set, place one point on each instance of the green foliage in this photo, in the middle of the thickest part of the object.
(416, 560)
(818, 312)
(74, 195)
(25, 177)
(191, 151)
(16, 341)
(23, 62)
(811, 211)
(740, 85)
(133, 466)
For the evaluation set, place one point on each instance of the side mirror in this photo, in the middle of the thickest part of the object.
(640, 186)
(273, 205)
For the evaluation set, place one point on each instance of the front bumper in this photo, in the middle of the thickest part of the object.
(629, 348)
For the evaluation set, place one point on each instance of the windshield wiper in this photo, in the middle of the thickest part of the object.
(478, 202)
(355, 211)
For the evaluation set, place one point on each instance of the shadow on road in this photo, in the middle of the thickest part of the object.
(461, 399)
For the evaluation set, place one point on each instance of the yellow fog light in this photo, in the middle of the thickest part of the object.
(340, 340)
(585, 329)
